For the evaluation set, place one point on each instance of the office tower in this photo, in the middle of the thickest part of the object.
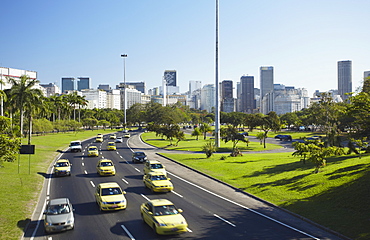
(104, 87)
(247, 104)
(194, 85)
(170, 77)
(83, 83)
(266, 80)
(344, 78)
(140, 86)
(208, 97)
(226, 89)
(68, 84)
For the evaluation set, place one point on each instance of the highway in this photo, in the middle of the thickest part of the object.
(212, 209)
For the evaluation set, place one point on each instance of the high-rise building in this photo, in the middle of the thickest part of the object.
(140, 86)
(194, 85)
(266, 80)
(83, 83)
(208, 97)
(170, 77)
(226, 89)
(247, 102)
(344, 78)
(68, 84)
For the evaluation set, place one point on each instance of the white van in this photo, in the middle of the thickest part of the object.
(75, 146)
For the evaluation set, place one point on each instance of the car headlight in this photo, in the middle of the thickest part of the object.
(104, 202)
(162, 224)
(48, 224)
(69, 221)
(145, 158)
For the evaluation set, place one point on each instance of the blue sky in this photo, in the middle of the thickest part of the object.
(303, 40)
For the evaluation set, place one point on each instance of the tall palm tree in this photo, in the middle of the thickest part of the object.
(22, 94)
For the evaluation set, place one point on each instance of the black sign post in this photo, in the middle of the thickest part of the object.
(27, 149)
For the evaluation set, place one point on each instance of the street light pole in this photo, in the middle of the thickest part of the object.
(217, 113)
(124, 85)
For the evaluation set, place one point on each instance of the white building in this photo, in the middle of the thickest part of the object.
(96, 98)
(133, 96)
(285, 100)
(208, 97)
(114, 99)
(51, 89)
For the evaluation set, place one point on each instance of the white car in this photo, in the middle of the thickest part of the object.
(119, 140)
(59, 215)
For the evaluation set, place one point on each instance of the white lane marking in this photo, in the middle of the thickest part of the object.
(189, 230)
(128, 233)
(124, 181)
(92, 184)
(247, 208)
(83, 164)
(137, 169)
(146, 198)
(39, 220)
(85, 172)
(177, 194)
(120, 156)
(224, 220)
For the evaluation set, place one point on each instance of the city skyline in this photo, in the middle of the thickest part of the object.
(303, 41)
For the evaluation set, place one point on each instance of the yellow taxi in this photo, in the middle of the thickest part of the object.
(105, 167)
(93, 151)
(113, 136)
(109, 196)
(111, 146)
(62, 167)
(163, 217)
(154, 166)
(127, 135)
(99, 139)
(157, 182)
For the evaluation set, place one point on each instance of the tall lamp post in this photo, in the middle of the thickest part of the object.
(217, 114)
(124, 84)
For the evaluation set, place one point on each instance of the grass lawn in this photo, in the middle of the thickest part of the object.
(337, 197)
(191, 144)
(20, 191)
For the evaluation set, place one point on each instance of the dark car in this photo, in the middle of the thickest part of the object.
(284, 137)
(139, 157)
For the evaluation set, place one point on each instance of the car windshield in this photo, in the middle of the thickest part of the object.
(156, 166)
(111, 144)
(93, 149)
(58, 209)
(158, 177)
(139, 154)
(110, 191)
(165, 210)
(75, 144)
(62, 164)
(106, 164)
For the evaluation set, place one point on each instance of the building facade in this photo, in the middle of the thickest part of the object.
(266, 80)
(247, 100)
(83, 83)
(170, 76)
(208, 97)
(344, 78)
(68, 84)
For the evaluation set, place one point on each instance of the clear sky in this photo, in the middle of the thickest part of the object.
(303, 40)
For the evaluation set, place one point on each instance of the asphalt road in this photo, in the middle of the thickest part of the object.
(212, 209)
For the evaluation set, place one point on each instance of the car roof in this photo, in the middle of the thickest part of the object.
(62, 160)
(160, 202)
(105, 160)
(139, 152)
(154, 161)
(58, 201)
(154, 173)
(110, 142)
(109, 185)
(93, 147)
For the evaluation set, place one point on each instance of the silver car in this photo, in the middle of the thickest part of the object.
(59, 215)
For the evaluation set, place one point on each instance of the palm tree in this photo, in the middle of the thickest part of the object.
(22, 95)
(2, 99)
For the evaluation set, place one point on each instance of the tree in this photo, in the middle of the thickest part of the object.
(205, 128)
(196, 133)
(9, 145)
(23, 94)
(230, 133)
(268, 122)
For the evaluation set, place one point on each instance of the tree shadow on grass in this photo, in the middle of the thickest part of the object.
(282, 168)
(355, 169)
(281, 182)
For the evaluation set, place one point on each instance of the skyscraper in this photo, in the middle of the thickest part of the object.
(344, 78)
(227, 99)
(366, 74)
(266, 80)
(247, 104)
(83, 83)
(170, 77)
(194, 85)
(68, 84)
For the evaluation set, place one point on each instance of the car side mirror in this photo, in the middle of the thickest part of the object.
(150, 213)
(168, 179)
(180, 210)
(124, 192)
